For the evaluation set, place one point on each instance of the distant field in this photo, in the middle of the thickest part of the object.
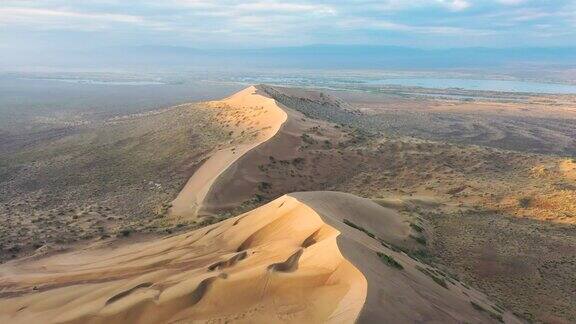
(528, 123)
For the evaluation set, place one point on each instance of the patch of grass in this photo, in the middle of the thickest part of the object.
(264, 186)
(498, 308)
(479, 308)
(416, 227)
(419, 239)
(389, 261)
(420, 255)
(524, 202)
(298, 161)
(432, 276)
(307, 139)
(360, 228)
(125, 232)
(392, 247)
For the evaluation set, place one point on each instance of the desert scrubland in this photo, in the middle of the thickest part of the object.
(468, 206)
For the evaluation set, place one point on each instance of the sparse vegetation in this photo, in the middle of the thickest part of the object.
(360, 228)
(524, 202)
(416, 227)
(433, 276)
(264, 186)
(419, 239)
(390, 261)
(98, 177)
(479, 308)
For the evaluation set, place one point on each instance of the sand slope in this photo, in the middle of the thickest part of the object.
(276, 263)
(269, 119)
(241, 182)
(292, 260)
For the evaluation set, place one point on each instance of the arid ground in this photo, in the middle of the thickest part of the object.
(481, 194)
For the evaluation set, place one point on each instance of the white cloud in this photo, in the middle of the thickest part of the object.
(511, 2)
(283, 7)
(16, 15)
(149, 21)
(456, 5)
(417, 29)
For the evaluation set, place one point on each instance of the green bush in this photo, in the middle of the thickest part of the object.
(389, 261)
(416, 227)
(432, 276)
(479, 308)
(419, 239)
(360, 228)
(524, 202)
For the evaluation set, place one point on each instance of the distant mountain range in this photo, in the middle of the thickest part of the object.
(313, 56)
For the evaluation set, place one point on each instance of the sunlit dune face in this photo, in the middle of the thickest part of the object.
(277, 263)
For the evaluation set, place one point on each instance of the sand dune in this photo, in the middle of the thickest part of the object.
(292, 260)
(269, 119)
(277, 263)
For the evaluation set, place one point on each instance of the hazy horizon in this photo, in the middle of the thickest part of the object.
(150, 58)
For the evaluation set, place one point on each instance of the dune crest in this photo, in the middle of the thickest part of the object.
(266, 115)
(251, 268)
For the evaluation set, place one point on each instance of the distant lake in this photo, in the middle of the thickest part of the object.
(481, 85)
(98, 82)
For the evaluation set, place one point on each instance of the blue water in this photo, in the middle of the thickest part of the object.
(432, 83)
(482, 85)
(99, 82)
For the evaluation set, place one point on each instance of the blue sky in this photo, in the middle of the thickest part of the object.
(33, 25)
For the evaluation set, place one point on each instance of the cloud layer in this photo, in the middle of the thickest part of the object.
(259, 23)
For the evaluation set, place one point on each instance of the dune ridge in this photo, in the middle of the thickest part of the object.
(246, 179)
(189, 201)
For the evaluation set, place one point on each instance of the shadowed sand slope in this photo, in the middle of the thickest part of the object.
(302, 258)
(253, 110)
